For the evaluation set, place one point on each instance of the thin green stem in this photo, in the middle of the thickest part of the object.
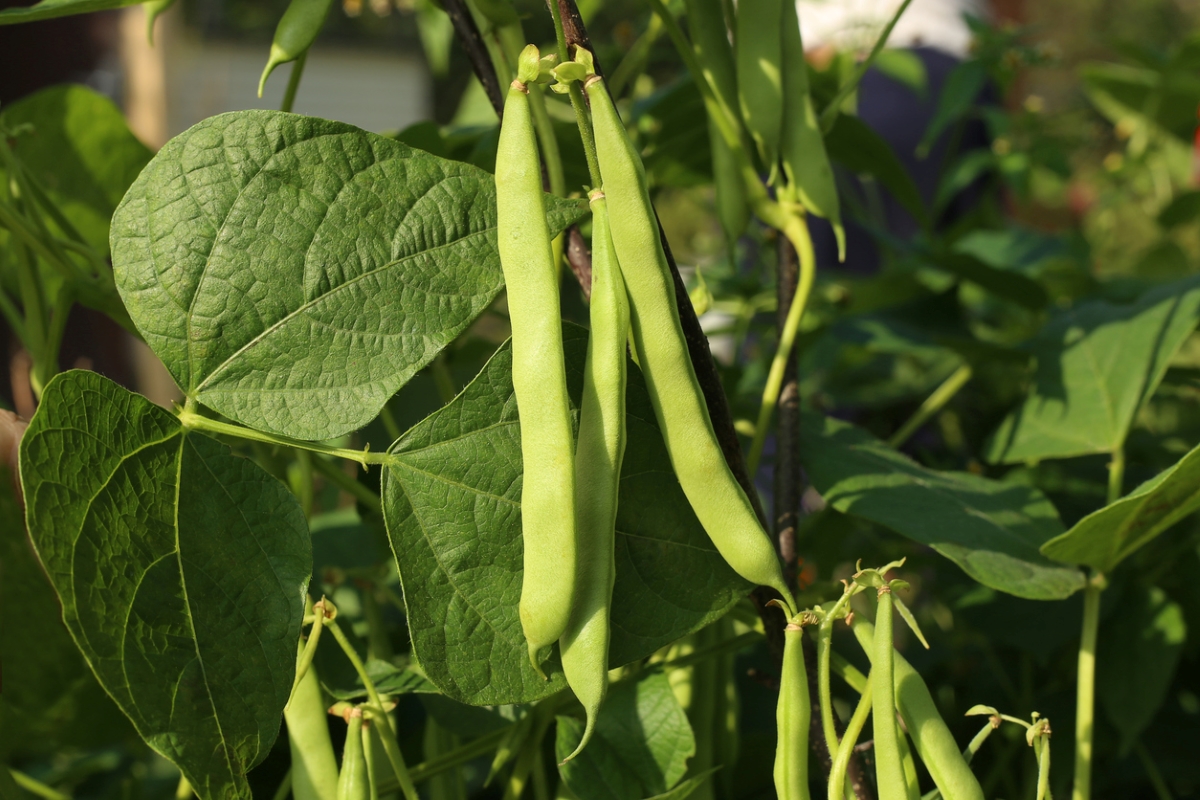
(289, 94)
(183, 790)
(582, 116)
(303, 488)
(831, 111)
(347, 484)
(1085, 696)
(1156, 779)
(634, 62)
(12, 315)
(797, 232)
(442, 378)
(1116, 475)
(12, 220)
(36, 787)
(381, 723)
(455, 758)
(389, 423)
(193, 421)
(541, 791)
(730, 645)
(841, 759)
(848, 673)
(1043, 757)
(932, 405)
(310, 651)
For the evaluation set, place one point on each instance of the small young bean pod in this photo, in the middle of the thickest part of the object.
(598, 457)
(792, 715)
(538, 372)
(715, 495)
(932, 739)
(805, 162)
(759, 74)
(314, 766)
(353, 781)
(295, 33)
(889, 770)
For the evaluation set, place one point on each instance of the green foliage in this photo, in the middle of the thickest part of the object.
(181, 569)
(991, 529)
(640, 748)
(293, 273)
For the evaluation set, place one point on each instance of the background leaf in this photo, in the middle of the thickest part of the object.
(1139, 650)
(640, 747)
(858, 148)
(1096, 365)
(49, 9)
(452, 504)
(1104, 538)
(293, 273)
(990, 529)
(181, 569)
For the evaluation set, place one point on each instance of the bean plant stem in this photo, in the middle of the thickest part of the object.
(289, 94)
(787, 338)
(582, 117)
(347, 484)
(31, 785)
(932, 405)
(468, 752)
(1156, 779)
(831, 111)
(1116, 475)
(1085, 697)
(193, 421)
(381, 722)
(841, 759)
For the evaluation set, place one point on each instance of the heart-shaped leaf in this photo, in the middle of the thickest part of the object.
(990, 529)
(293, 273)
(640, 748)
(1104, 538)
(451, 495)
(181, 569)
(1096, 365)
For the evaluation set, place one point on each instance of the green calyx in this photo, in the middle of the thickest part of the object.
(532, 67)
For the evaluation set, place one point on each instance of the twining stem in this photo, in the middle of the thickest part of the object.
(831, 111)
(932, 405)
(797, 232)
(193, 421)
(381, 723)
(1085, 696)
(841, 759)
(289, 94)
(1152, 772)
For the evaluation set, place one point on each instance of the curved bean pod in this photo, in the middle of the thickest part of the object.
(314, 766)
(295, 33)
(598, 456)
(715, 495)
(353, 782)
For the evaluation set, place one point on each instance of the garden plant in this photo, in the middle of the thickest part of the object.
(461, 500)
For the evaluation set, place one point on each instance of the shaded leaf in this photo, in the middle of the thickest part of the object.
(1104, 538)
(1096, 365)
(853, 144)
(293, 273)
(389, 680)
(50, 700)
(1002, 282)
(992, 530)
(181, 569)
(1183, 209)
(640, 747)
(452, 503)
(687, 788)
(1138, 652)
(959, 97)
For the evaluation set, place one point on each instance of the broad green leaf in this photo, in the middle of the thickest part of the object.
(50, 700)
(990, 529)
(49, 9)
(959, 96)
(1139, 650)
(293, 273)
(451, 498)
(861, 150)
(1005, 283)
(1104, 538)
(181, 569)
(78, 148)
(389, 681)
(1096, 365)
(640, 747)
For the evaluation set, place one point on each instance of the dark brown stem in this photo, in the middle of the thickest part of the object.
(787, 440)
(472, 41)
(579, 257)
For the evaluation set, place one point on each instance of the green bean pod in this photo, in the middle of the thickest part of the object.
(912, 782)
(353, 781)
(314, 766)
(715, 495)
(792, 714)
(805, 162)
(889, 768)
(932, 739)
(538, 372)
(759, 74)
(598, 456)
(295, 33)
